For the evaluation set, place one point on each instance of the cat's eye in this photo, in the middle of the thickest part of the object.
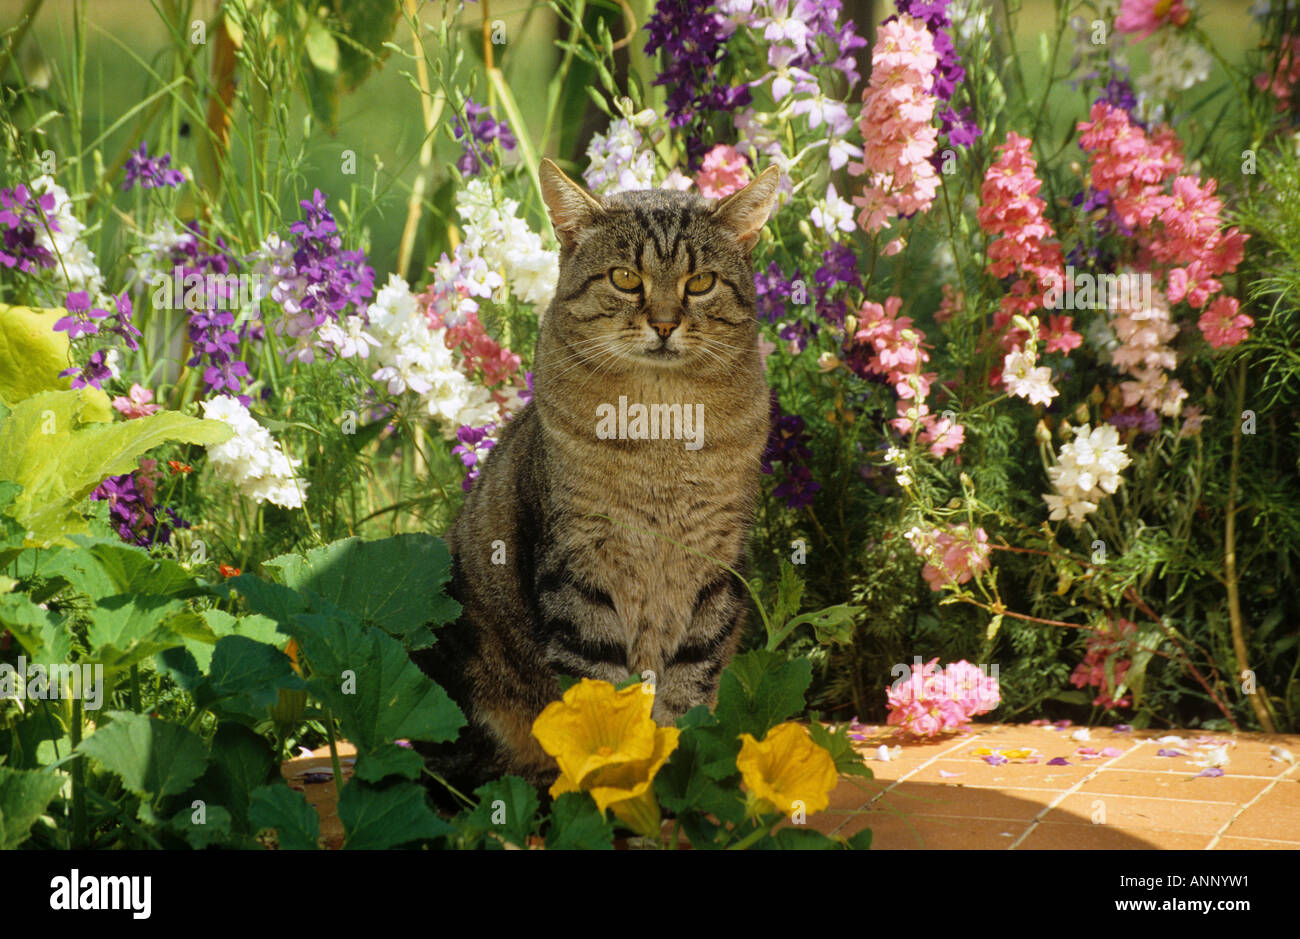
(701, 283)
(625, 279)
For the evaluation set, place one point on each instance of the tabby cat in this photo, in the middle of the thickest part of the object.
(571, 551)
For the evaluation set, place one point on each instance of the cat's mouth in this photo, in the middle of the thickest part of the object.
(661, 353)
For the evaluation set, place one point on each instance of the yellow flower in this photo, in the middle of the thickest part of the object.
(606, 744)
(787, 767)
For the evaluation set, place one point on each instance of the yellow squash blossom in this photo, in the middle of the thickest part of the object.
(787, 767)
(607, 745)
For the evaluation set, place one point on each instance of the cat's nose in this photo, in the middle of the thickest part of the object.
(664, 329)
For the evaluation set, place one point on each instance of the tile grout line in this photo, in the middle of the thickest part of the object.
(909, 774)
(1241, 811)
(1033, 823)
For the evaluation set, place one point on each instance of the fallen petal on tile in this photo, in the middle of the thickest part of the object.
(995, 759)
(885, 755)
(1281, 754)
(1021, 754)
(1058, 761)
(1212, 771)
(983, 751)
(1041, 722)
(1112, 752)
(1081, 734)
(944, 774)
(1216, 756)
(1063, 724)
(1085, 751)
(1123, 728)
(1173, 739)
(1165, 752)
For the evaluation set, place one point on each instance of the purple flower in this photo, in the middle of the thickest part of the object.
(94, 373)
(151, 172)
(773, 290)
(1123, 728)
(693, 38)
(1166, 752)
(79, 321)
(1211, 771)
(24, 216)
(133, 508)
(787, 444)
(995, 759)
(474, 444)
(483, 130)
(839, 266)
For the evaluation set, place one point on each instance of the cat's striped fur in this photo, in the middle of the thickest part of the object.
(603, 539)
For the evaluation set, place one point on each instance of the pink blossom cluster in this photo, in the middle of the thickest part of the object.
(1105, 645)
(935, 701)
(1287, 77)
(898, 138)
(722, 172)
(1144, 332)
(1144, 17)
(898, 354)
(1011, 211)
(952, 556)
(1180, 228)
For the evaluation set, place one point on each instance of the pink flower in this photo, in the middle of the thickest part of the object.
(943, 435)
(136, 403)
(722, 172)
(1222, 325)
(1146, 16)
(1060, 334)
(952, 556)
(933, 701)
(1284, 80)
(898, 137)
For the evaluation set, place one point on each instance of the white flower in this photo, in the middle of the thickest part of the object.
(251, 459)
(834, 213)
(618, 160)
(506, 243)
(1177, 63)
(1087, 470)
(1024, 380)
(348, 339)
(1212, 756)
(72, 257)
(677, 180)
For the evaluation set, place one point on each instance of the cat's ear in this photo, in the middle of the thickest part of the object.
(747, 211)
(571, 207)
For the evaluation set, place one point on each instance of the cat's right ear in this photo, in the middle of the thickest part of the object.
(571, 207)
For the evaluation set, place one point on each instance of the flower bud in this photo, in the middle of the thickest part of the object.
(1042, 433)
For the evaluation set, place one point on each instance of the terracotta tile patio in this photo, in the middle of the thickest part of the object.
(1122, 795)
(947, 795)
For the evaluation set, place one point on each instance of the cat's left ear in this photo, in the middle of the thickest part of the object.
(571, 207)
(747, 211)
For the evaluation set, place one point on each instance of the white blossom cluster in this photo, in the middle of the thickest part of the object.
(1024, 378)
(506, 243)
(251, 459)
(415, 358)
(620, 161)
(1087, 469)
(72, 256)
(1177, 63)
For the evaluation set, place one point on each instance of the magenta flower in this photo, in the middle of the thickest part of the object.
(135, 403)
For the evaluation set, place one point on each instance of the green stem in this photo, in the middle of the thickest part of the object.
(78, 781)
(334, 753)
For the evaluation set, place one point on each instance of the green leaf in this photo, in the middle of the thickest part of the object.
(859, 842)
(155, 758)
(833, 624)
(375, 818)
(577, 825)
(507, 808)
(378, 694)
(687, 782)
(24, 795)
(295, 822)
(759, 690)
(214, 828)
(125, 630)
(247, 672)
(43, 634)
(31, 353)
(847, 760)
(395, 583)
(104, 569)
(58, 453)
(388, 760)
(241, 762)
(322, 49)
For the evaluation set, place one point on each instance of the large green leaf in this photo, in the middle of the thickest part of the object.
(395, 583)
(576, 824)
(201, 633)
(246, 675)
(375, 818)
(44, 635)
(58, 454)
(277, 806)
(125, 630)
(102, 568)
(378, 694)
(32, 354)
(23, 798)
(388, 760)
(241, 762)
(507, 810)
(759, 690)
(154, 757)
